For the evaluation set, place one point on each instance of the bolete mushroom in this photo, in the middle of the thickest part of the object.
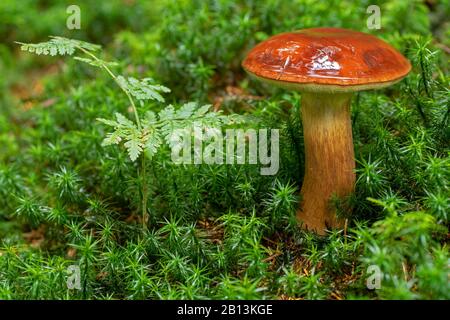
(326, 65)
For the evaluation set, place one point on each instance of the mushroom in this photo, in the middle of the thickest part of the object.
(326, 65)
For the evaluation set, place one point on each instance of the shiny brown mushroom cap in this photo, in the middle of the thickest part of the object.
(328, 60)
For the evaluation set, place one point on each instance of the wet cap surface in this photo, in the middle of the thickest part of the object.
(327, 56)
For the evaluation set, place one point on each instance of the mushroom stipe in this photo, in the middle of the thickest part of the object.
(326, 65)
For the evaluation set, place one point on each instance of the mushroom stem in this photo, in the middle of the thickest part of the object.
(329, 158)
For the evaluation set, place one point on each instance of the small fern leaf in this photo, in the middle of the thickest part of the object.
(75, 43)
(167, 113)
(57, 46)
(134, 148)
(202, 110)
(150, 119)
(110, 123)
(112, 138)
(153, 143)
(123, 121)
(186, 110)
(97, 63)
(142, 89)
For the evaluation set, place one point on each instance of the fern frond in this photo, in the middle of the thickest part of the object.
(112, 138)
(152, 143)
(110, 123)
(143, 89)
(134, 147)
(97, 63)
(124, 121)
(58, 46)
(186, 110)
(77, 43)
(168, 113)
(189, 115)
(158, 128)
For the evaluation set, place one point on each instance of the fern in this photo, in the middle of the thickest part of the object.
(97, 63)
(124, 130)
(133, 134)
(58, 46)
(142, 89)
(147, 134)
(157, 128)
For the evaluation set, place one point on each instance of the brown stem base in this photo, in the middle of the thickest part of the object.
(329, 158)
